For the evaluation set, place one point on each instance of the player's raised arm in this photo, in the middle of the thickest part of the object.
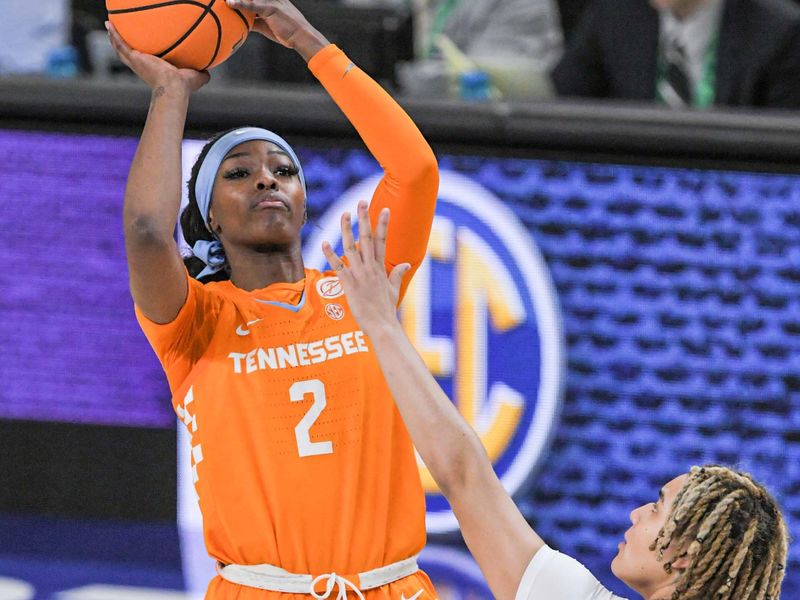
(153, 193)
(497, 534)
(410, 184)
(411, 181)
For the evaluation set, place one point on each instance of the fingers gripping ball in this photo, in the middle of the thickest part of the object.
(192, 34)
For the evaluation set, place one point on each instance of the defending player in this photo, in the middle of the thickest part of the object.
(711, 533)
(306, 476)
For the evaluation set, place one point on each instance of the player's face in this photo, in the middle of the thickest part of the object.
(257, 197)
(635, 563)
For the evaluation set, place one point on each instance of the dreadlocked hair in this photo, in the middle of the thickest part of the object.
(732, 533)
(192, 224)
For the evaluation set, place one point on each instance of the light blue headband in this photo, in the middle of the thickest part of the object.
(211, 252)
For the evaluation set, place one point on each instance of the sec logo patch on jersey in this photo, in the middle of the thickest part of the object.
(334, 311)
(482, 311)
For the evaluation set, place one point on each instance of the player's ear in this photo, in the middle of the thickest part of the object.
(677, 565)
(211, 225)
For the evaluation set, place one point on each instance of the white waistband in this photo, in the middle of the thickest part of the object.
(269, 577)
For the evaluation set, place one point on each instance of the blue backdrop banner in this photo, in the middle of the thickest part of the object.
(604, 327)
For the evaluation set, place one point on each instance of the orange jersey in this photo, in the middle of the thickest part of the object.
(300, 457)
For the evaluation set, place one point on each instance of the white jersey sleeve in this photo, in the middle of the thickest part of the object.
(555, 576)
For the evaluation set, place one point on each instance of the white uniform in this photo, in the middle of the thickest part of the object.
(555, 576)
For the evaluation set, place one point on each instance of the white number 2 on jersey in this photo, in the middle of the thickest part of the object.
(297, 393)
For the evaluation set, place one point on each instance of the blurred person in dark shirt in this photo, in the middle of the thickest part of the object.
(686, 53)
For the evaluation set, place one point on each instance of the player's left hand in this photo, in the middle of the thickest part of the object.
(155, 71)
(371, 294)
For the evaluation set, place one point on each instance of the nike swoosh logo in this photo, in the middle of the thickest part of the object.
(240, 330)
(414, 597)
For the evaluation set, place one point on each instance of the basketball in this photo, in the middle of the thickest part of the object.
(193, 34)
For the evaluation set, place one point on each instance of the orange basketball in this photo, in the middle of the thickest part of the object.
(194, 34)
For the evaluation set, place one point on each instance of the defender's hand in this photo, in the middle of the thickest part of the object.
(281, 22)
(371, 294)
(155, 71)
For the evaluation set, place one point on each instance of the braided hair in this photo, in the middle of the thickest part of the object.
(731, 532)
(192, 224)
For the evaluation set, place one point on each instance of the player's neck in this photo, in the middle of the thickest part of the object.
(257, 268)
(661, 592)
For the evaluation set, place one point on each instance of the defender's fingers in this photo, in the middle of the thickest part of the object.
(365, 245)
(334, 260)
(348, 242)
(381, 230)
(397, 274)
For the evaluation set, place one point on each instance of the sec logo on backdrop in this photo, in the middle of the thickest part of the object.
(482, 312)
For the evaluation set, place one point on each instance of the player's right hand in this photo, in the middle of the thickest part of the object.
(281, 22)
(155, 71)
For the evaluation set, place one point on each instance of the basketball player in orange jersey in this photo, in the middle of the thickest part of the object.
(306, 476)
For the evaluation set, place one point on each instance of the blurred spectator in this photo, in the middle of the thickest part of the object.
(686, 53)
(515, 42)
(520, 28)
(32, 34)
(570, 12)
